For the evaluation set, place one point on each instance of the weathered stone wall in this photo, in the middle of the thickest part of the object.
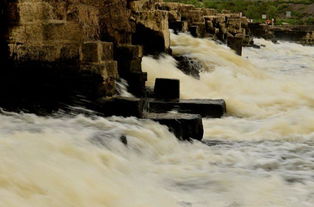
(89, 34)
(66, 31)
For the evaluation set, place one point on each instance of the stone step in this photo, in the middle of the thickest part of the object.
(204, 107)
(96, 52)
(184, 126)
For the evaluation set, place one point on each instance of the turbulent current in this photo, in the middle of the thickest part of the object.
(261, 154)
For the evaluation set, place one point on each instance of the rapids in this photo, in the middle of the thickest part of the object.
(261, 154)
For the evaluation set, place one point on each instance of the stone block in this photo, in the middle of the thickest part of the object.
(174, 16)
(107, 69)
(128, 52)
(90, 52)
(112, 69)
(204, 107)
(167, 88)
(120, 106)
(48, 53)
(13, 13)
(38, 11)
(155, 24)
(193, 16)
(136, 81)
(70, 52)
(209, 12)
(235, 43)
(34, 11)
(179, 26)
(184, 126)
(129, 66)
(32, 33)
(106, 73)
(62, 31)
(198, 30)
(106, 51)
(96, 52)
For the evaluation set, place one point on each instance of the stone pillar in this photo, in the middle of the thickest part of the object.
(235, 43)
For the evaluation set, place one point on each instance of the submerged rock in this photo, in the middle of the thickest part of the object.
(124, 140)
(189, 66)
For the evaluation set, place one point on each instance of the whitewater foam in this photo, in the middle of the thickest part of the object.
(260, 154)
(259, 91)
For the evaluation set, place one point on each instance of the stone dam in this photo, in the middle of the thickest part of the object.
(56, 53)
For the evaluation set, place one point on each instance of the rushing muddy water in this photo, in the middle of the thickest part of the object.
(261, 154)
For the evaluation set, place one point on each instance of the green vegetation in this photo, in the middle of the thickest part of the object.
(302, 11)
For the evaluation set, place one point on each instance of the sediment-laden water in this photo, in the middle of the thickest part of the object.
(261, 154)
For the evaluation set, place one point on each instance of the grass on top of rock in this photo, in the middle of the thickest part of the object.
(302, 11)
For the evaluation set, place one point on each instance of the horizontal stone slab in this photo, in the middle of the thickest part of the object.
(184, 126)
(204, 107)
(119, 106)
